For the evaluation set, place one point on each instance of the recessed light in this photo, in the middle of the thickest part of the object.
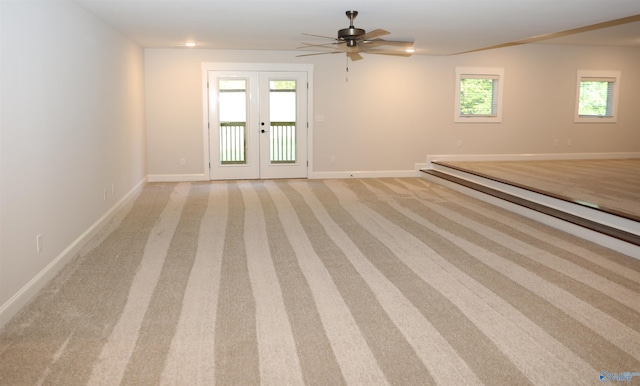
(190, 44)
(410, 50)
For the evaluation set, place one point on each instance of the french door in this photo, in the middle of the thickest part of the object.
(257, 124)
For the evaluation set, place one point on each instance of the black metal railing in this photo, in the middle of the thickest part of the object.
(233, 144)
(282, 137)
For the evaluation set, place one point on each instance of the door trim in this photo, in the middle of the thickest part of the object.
(258, 67)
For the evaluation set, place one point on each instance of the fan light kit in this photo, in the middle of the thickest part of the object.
(353, 41)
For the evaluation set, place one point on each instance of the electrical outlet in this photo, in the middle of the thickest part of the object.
(183, 161)
(569, 142)
(39, 243)
(333, 159)
(105, 194)
(556, 142)
(459, 143)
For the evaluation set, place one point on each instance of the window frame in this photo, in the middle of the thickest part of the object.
(604, 76)
(481, 73)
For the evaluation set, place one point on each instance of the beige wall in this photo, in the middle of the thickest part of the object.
(389, 113)
(72, 126)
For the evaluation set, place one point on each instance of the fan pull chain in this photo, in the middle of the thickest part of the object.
(346, 79)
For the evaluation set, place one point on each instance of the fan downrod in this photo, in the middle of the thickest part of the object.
(352, 16)
(351, 34)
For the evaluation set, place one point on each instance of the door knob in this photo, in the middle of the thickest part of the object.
(263, 131)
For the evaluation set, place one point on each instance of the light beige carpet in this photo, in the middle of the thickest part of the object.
(328, 282)
(609, 183)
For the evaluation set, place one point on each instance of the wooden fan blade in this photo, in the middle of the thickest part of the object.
(373, 34)
(326, 45)
(586, 28)
(389, 52)
(354, 56)
(320, 36)
(320, 53)
(382, 42)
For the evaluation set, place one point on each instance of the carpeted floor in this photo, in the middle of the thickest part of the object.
(328, 282)
(613, 184)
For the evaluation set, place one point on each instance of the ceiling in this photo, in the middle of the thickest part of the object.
(439, 27)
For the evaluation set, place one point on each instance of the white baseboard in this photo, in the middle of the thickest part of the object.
(312, 175)
(27, 293)
(366, 174)
(177, 177)
(528, 157)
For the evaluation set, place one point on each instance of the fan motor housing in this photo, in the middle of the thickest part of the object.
(350, 35)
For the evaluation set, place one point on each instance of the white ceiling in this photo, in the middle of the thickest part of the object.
(439, 27)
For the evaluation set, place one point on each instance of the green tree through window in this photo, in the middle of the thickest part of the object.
(595, 98)
(282, 85)
(477, 96)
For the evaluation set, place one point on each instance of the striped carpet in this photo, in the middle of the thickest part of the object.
(328, 282)
(612, 184)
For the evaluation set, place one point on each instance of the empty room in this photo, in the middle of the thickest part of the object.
(319, 192)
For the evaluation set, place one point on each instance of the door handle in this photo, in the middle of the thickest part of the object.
(263, 131)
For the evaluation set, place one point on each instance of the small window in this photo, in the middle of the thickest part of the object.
(478, 94)
(597, 96)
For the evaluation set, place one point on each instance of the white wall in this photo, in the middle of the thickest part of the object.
(392, 112)
(72, 126)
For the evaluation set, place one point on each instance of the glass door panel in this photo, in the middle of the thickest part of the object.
(232, 107)
(282, 113)
(283, 109)
(233, 125)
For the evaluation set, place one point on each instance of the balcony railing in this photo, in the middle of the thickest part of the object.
(233, 145)
(282, 138)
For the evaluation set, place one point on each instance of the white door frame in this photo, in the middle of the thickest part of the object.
(258, 67)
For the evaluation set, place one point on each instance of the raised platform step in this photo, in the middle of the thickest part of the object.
(618, 231)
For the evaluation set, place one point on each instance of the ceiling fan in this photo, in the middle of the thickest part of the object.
(354, 41)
